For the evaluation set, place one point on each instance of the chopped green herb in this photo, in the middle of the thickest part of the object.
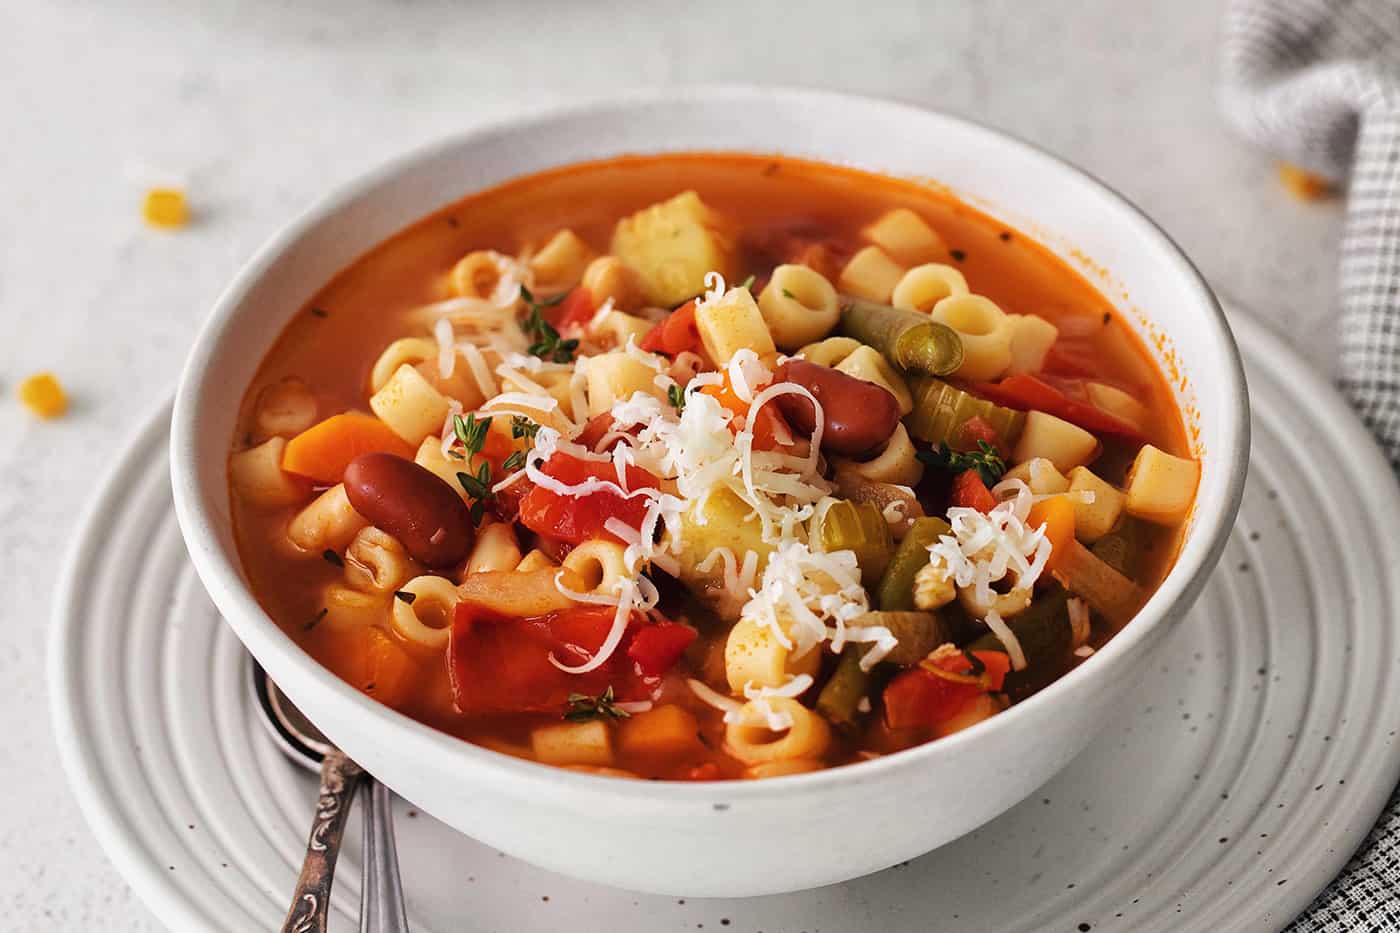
(479, 488)
(315, 621)
(957, 254)
(320, 312)
(520, 426)
(514, 462)
(676, 396)
(583, 708)
(405, 596)
(547, 344)
(331, 557)
(369, 687)
(471, 433)
(978, 668)
(748, 282)
(789, 294)
(985, 460)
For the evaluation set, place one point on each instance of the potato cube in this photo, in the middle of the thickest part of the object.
(1119, 404)
(1161, 487)
(671, 245)
(560, 263)
(871, 274)
(1031, 339)
(573, 743)
(1093, 520)
(732, 323)
(666, 730)
(1040, 475)
(906, 237)
(1063, 444)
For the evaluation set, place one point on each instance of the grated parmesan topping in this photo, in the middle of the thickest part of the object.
(808, 597)
(1008, 640)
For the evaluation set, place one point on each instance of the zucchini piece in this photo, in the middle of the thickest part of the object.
(1046, 638)
(918, 634)
(1106, 590)
(859, 527)
(908, 339)
(1121, 548)
(941, 410)
(896, 590)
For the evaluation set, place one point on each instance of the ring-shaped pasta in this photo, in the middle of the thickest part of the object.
(431, 593)
(1005, 605)
(600, 564)
(772, 769)
(496, 548)
(327, 522)
(285, 408)
(410, 350)
(831, 351)
(477, 274)
(753, 743)
(924, 286)
(799, 305)
(985, 331)
(896, 464)
(375, 562)
(869, 365)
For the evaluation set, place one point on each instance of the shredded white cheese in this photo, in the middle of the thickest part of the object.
(1008, 639)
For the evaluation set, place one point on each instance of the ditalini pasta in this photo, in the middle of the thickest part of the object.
(671, 477)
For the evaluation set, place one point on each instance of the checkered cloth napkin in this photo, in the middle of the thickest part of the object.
(1318, 84)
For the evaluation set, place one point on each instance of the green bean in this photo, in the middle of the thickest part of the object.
(908, 339)
(839, 700)
(940, 411)
(896, 589)
(1047, 641)
(859, 527)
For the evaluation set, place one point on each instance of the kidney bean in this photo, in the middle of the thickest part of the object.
(415, 506)
(860, 416)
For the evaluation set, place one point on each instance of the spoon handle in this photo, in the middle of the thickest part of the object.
(381, 890)
(311, 903)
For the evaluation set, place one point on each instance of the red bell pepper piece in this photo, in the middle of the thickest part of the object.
(1027, 392)
(576, 310)
(676, 334)
(657, 647)
(500, 664)
(969, 492)
(919, 698)
(575, 519)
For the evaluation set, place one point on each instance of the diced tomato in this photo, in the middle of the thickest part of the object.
(975, 430)
(770, 430)
(676, 334)
(575, 519)
(918, 698)
(595, 430)
(709, 771)
(969, 492)
(657, 647)
(499, 664)
(1029, 392)
(576, 310)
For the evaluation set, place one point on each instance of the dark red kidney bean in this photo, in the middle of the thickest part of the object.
(860, 416)
(414, 505)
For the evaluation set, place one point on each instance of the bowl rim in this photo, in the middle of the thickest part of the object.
(221, 577)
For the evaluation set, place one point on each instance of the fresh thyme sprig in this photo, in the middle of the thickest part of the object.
(583, 708)
(985, 460)
(471, 434)
(676, 396)
(547, 344)
(522, 427)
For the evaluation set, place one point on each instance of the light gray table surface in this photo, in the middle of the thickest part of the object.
(258, 109)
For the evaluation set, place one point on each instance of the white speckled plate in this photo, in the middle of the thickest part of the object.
(1256, 756)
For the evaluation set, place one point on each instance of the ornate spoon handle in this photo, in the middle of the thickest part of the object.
(339, 778)
(381, 891)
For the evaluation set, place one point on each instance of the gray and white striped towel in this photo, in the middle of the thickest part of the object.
(1318, 84)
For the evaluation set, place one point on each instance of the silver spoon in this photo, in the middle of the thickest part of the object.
(381, 890)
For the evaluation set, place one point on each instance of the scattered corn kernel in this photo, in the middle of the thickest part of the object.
(165, 207)
(42, 394)
(1302, 184)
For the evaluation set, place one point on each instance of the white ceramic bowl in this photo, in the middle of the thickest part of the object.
(730, 838)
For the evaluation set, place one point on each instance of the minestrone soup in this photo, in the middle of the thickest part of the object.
(707, 466)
